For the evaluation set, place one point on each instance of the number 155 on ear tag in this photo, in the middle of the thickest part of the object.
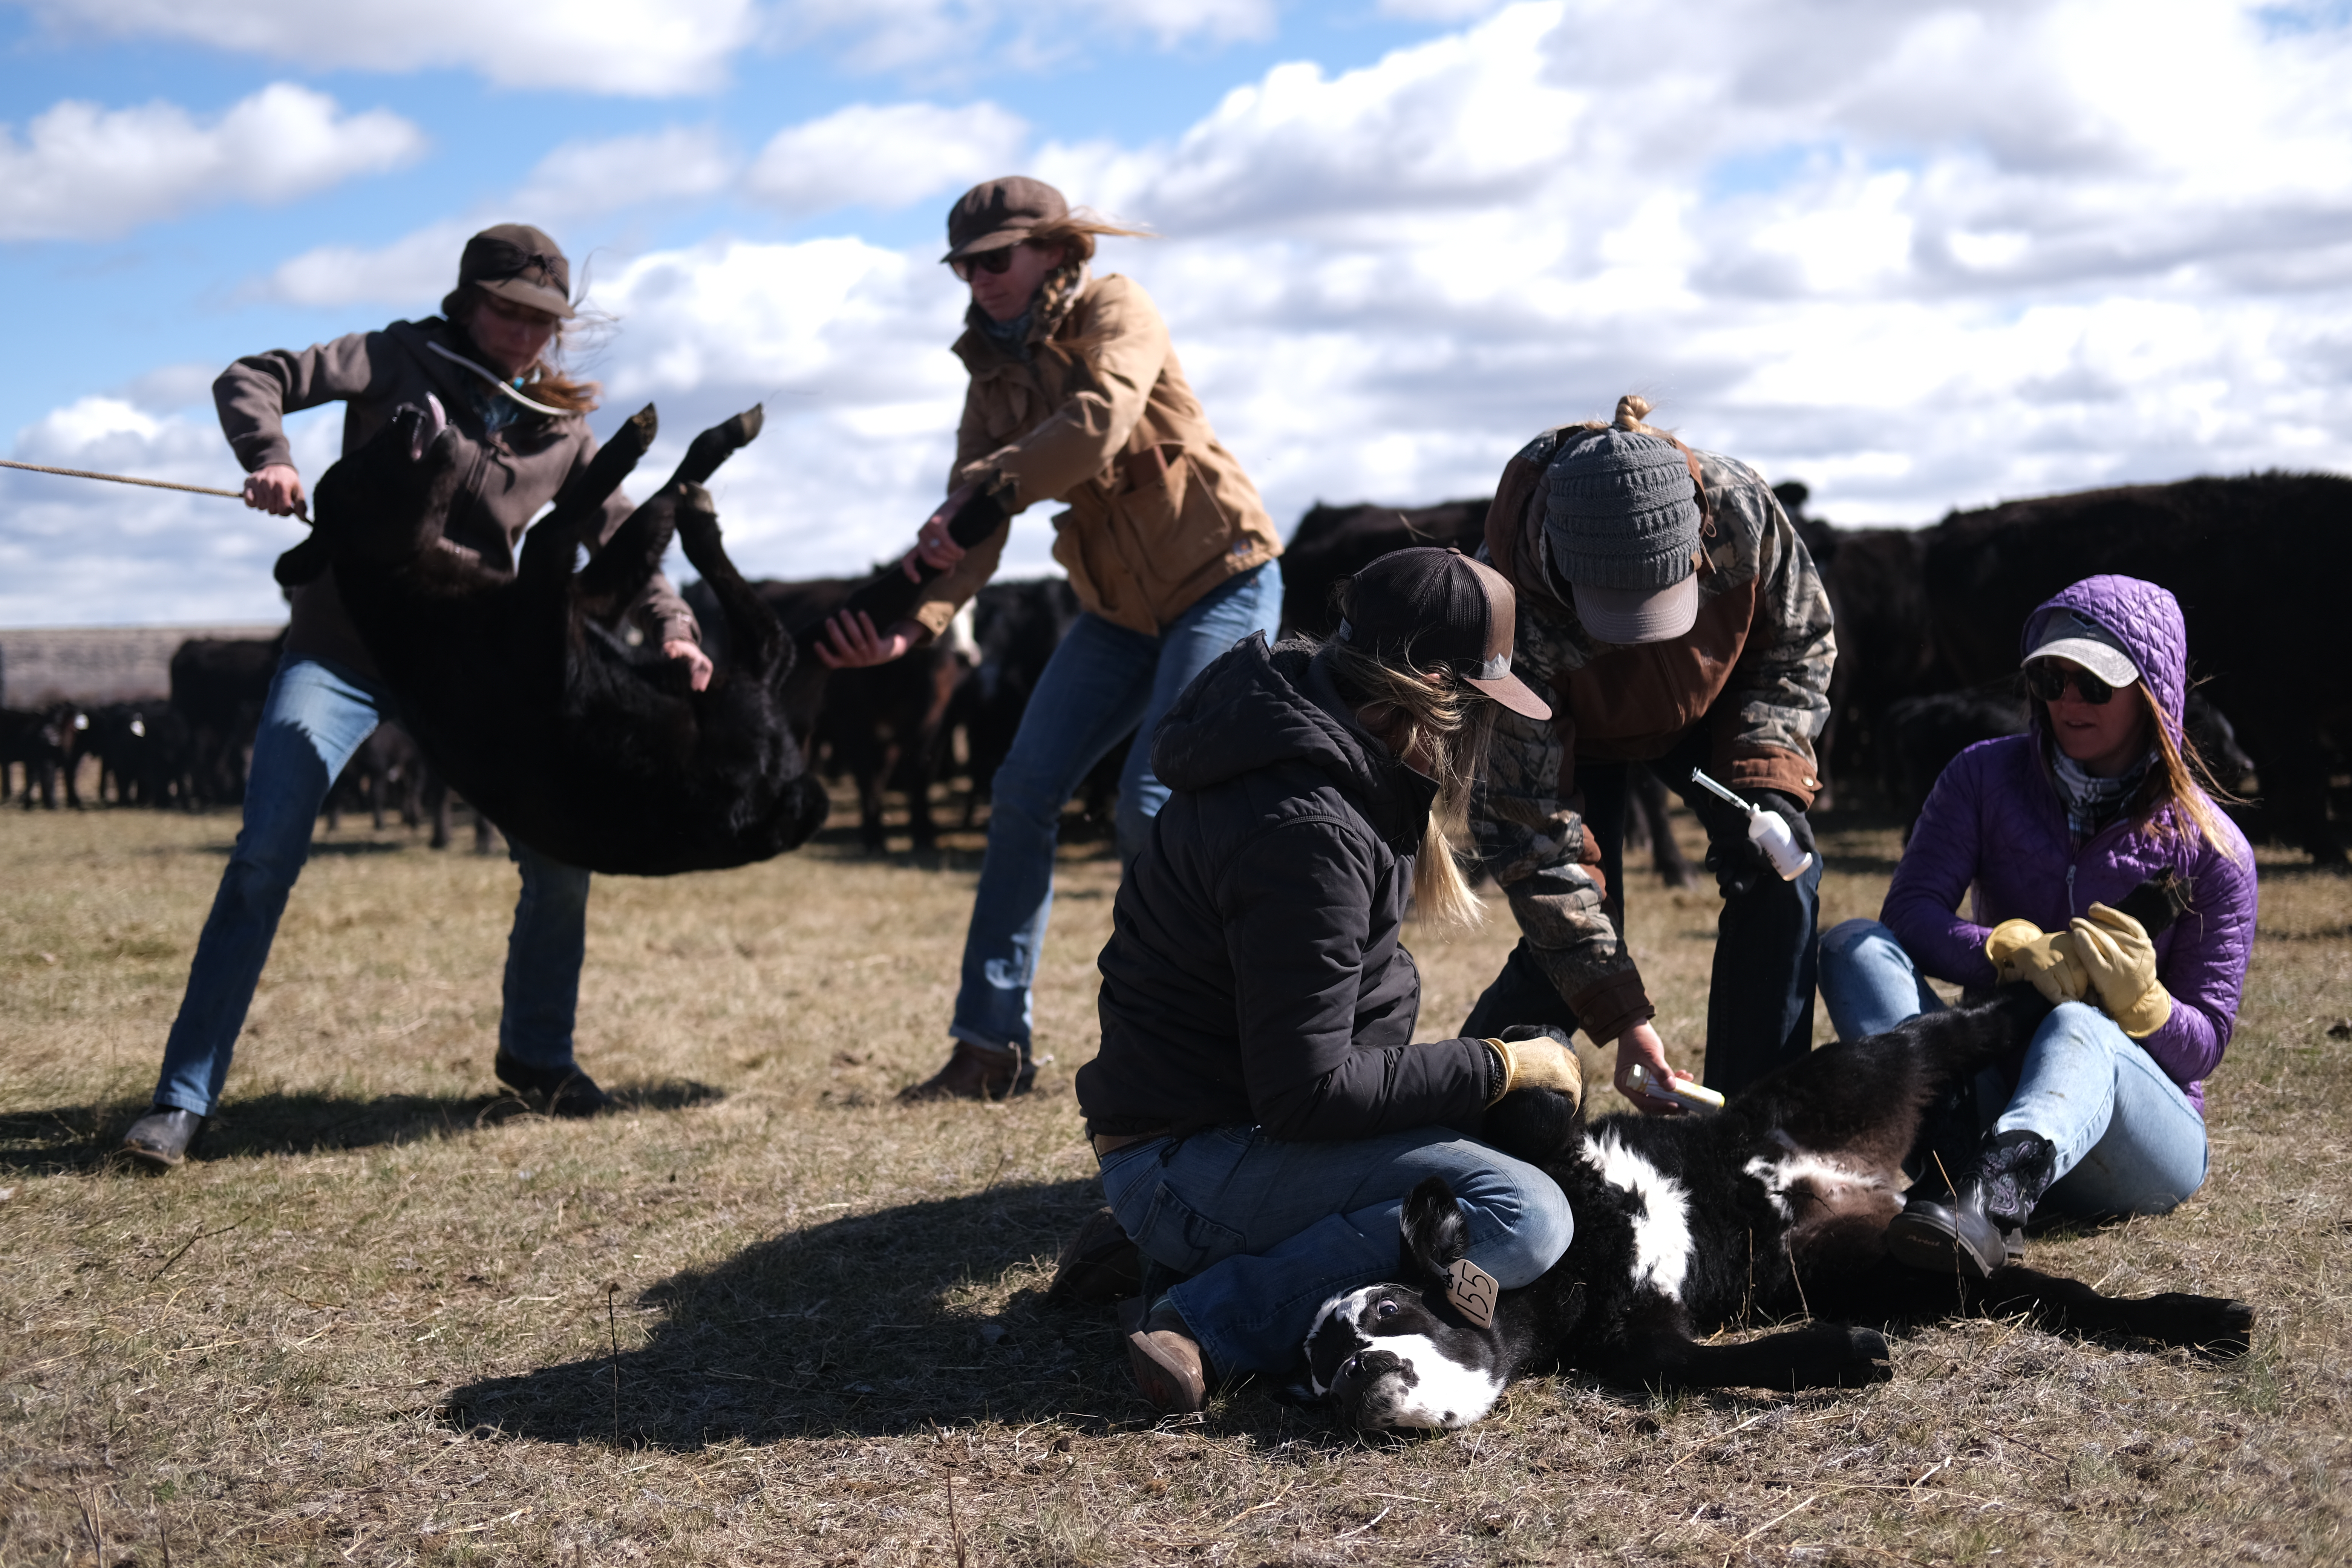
(1473, 1292)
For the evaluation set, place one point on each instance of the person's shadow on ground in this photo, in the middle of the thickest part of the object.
(854, 1326)
(63, 1138)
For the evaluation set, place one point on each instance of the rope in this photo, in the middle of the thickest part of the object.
(122, 480)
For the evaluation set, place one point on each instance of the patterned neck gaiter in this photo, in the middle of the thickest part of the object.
(2090, 804)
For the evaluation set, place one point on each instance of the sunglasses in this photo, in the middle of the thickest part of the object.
(992, 262)
(2047, 679)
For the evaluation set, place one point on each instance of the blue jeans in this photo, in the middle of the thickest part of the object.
(316, 716)
(2128, 1140)
(1270, 1230)
(1103, 681)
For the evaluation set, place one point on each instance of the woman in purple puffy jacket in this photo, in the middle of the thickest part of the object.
(2042, 833)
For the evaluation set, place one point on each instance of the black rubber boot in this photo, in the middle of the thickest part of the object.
(160, 1140)
(1980, 1228)
(559, 1091)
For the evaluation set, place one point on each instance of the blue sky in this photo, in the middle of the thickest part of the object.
(1918, 257)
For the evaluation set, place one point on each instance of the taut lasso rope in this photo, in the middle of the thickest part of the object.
(122, 480)
(302, 509)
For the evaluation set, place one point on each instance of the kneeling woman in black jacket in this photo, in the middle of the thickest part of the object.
(1259, 1107)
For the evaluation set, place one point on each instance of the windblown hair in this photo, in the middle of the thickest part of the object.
(1439, 725)
(1075, 232)
(545, 381)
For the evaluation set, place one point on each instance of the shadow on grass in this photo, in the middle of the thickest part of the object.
(855, 1327)
(69, 1138)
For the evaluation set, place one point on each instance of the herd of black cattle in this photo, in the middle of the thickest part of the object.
(1928, 622)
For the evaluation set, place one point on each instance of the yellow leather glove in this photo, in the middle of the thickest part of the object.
(1540, 1063)
(2115, 952)
(2020, 949)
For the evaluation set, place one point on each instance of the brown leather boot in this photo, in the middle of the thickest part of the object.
(973, 1072)
(1165, 1357)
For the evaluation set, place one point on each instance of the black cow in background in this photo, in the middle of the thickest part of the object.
(218, 686)
(1878, 602)
(386, 770)
(143, 754)
(2258, 564)
(1334, 541)
(1920, 736)
(45, 742)
(591, 751)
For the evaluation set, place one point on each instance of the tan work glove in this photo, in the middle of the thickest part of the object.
(2115, 952)
(2020, 949)
(1540, 1062)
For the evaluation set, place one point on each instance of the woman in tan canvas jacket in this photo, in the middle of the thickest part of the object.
(521, 423)
(1076, 397)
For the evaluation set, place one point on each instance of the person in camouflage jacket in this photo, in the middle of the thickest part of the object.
(1677, 620)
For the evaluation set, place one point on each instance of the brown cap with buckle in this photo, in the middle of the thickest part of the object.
(1000, 213)
(518, 262)
(1439, 607)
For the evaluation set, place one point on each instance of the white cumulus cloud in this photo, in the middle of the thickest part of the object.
(642, 48)
(85, 171)
(885, 155)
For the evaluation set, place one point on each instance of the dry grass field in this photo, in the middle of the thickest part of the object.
(769, 1316)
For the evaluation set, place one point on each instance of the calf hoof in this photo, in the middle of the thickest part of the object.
(1841, 1357)
(2208, 1323)
(160, 1140)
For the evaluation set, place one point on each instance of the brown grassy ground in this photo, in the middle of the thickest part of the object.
(379, 1322)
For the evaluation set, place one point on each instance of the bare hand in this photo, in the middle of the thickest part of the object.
(852, 643)
(696, 661)
(1641, 1044)
(934, 546)
(275, 489)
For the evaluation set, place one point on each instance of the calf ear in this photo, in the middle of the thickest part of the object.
(1432, 1233)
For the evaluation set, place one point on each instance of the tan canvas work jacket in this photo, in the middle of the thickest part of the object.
(1754, 670)
(509, 474)
(1098, 417)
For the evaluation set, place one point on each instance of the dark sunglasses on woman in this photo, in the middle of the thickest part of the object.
(2046, 678)
(989, 261)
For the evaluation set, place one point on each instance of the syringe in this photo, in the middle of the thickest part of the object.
(1767, 830)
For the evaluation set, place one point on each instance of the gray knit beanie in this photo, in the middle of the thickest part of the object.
(1621, 514)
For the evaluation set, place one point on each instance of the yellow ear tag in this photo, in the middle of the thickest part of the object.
(1473, 1292)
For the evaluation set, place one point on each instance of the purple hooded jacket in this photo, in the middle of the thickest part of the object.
(1994, 829)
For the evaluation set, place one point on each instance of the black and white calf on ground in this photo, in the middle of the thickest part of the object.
(1774, 1208)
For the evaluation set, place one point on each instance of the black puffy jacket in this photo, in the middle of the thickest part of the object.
(1254, 975)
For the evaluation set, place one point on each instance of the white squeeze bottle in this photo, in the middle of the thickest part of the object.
(1766, 829)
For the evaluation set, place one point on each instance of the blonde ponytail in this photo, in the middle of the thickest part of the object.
(1441, 727)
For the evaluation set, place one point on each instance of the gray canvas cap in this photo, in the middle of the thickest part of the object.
(2064, 634)
(1621, 526)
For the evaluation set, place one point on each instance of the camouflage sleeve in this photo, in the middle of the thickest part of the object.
(1778, 700)
(1532, 839)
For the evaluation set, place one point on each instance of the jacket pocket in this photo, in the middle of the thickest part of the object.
(1183, 1239)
